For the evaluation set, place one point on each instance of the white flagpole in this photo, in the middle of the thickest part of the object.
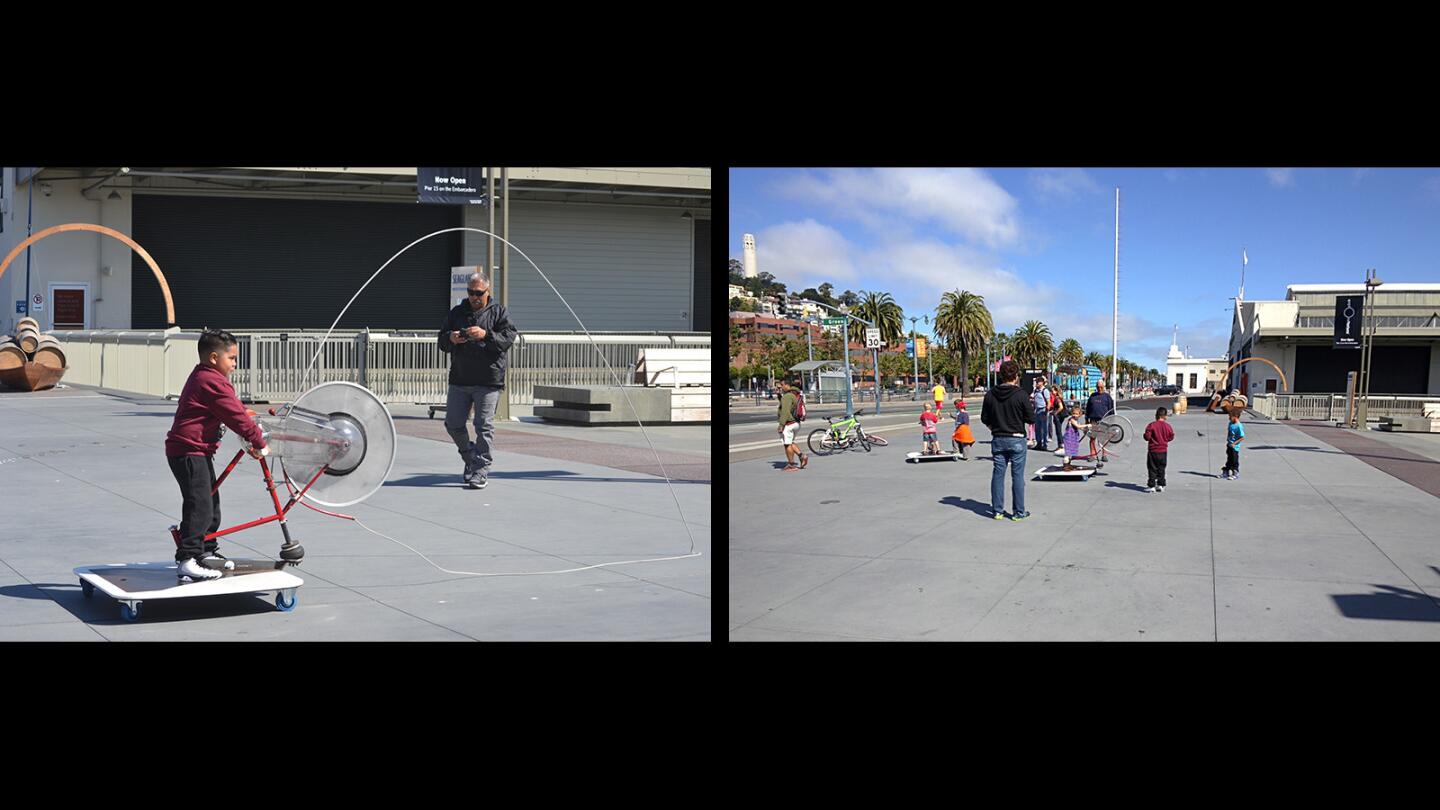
(1244, 260)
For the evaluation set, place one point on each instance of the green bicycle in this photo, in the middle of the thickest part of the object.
(842, 435)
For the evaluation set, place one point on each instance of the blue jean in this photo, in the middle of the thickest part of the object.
(484, 398)
(1007, 450)
(1042, 429)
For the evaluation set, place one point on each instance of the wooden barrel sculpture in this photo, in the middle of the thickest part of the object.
(28, 338)
(49, 353)
(30, 361)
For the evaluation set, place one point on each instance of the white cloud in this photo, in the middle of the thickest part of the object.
(1361, 174)
(1172, 175)
(1281, 178)
(1062, 183)
(805, 254)
(918, 272)
(1431, 186)
(965, 202)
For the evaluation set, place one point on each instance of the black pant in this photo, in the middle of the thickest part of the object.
(200, 512)
(1155, 465)
(1232, 460)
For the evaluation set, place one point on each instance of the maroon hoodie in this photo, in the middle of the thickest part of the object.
(207, 400)
(1159, 435)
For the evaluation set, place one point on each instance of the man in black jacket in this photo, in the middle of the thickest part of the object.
(1006, 411)
(476, 335)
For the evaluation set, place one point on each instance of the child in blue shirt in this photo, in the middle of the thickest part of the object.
(1234, 437)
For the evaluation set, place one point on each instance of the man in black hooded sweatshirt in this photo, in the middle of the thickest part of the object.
(1006, 411)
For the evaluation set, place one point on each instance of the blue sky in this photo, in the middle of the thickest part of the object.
(1039, 243)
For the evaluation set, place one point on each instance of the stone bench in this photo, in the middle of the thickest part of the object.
(604, 404)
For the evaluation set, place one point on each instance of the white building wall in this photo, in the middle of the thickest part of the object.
(67, 258)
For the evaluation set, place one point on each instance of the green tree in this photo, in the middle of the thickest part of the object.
(1033, 345)
(827, 292)
(849, 298)
(881, 309)
(737, 272)
(963, 321)
(1070, 352)
(895, 366)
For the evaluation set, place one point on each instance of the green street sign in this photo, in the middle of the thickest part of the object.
(833, 321)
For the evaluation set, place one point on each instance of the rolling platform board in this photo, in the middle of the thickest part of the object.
(132, 584)
(1057, 472)
(918, 456)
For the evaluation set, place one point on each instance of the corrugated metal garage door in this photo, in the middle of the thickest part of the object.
(246, 263)
(621, 268)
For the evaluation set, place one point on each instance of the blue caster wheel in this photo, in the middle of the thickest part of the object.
(285, 600)
(128, 613)
(87, 589)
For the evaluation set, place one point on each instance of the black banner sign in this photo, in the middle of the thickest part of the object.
(450, 186)
(1348, 310)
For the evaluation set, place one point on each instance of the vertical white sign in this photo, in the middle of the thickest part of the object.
(460, 284)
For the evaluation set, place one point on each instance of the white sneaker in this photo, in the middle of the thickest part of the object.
(1159, 489)
(192, 569)
(1149, 489)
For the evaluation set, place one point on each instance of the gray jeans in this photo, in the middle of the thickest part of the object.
(457, 408)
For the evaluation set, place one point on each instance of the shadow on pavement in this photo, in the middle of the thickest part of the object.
(1395, 604)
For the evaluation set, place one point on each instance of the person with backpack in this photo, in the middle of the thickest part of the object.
(789, 416)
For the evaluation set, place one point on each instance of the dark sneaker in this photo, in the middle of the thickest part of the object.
(215, 562)
(1019, 516)
(192, 569)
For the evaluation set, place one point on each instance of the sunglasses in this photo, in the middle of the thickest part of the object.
(479, 293)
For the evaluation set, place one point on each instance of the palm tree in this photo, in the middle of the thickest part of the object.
(1096, 359)
(881, 309)
(1033, 344)
(965, 323)
(1070, 352)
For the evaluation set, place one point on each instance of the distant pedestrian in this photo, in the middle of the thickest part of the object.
(1234, 437)
(963, 437)
(928, 420)
(1099, 406)
(789, 422)
(1158, 434)
(1040, 400)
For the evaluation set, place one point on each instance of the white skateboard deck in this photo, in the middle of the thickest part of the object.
(130, 584)
(1058, 472)
(944, 454)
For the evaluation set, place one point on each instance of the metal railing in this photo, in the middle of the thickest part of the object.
(1387, 321)
(408, 367)
(1331, 407)
(400, 367)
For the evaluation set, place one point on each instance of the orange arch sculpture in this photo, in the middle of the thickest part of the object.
(84, 226)
(1284, 385)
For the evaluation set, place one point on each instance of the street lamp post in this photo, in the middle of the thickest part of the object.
(930, 357)
(849, 385)
(915, 356)
(1367, 350)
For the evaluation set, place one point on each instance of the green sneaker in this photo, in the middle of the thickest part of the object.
(998, 515)
(1019, 516)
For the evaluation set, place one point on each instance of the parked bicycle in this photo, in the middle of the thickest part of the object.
(842, 435)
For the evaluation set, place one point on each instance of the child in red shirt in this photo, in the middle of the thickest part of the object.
(207, 400)
(928, 420)
(1159, 434)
